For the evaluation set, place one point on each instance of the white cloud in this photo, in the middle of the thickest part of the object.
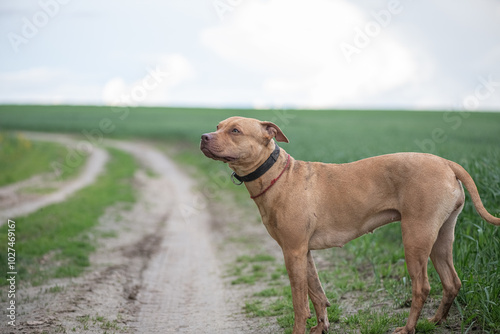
(32, 76)
(45, 85)
(155, 86)
(279, 35)
(297, 44)
(113, 89)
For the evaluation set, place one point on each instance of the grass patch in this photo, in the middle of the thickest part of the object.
(256, 258)
(271, 292)
(424, 326)
(54, 289)
(256, 309)
(88, 322)
(250, 269)
(370, 322)
(18, 154)
(281, 307)
(57, 241)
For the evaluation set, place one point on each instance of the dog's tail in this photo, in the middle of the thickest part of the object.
(468, 182)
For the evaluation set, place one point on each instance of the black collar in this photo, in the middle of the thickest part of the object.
(262, 168)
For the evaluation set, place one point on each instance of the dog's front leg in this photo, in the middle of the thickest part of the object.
(318, 297)
(296, 266)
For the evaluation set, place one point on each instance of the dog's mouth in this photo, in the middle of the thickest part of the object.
(214, 156)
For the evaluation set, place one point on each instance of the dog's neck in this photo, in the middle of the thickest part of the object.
(249, 165)
(261, 170)
(264, 182)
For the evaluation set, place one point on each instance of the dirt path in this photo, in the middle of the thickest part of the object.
(182, 290)
(160, 274)
(15, 204)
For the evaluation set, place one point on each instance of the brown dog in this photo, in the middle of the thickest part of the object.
(312, 205)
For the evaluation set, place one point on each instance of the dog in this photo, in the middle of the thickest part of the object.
(313, 205)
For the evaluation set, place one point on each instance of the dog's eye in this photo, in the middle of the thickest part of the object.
(235, 131)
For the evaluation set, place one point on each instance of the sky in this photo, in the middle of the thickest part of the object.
(396, 54)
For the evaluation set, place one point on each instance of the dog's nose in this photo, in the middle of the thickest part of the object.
(206, 137)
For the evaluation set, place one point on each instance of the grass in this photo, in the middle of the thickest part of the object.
(17, 154)
(373, 264)
(250, 269)
(57, 241)
(103, 323)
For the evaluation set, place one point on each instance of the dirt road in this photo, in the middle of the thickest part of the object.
(160, 274)
(15, 204)
(182, 291)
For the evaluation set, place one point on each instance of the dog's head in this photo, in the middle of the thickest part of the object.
(241, 141)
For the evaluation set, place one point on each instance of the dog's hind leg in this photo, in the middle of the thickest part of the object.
(442, 258)
(318, 297)
(418, 245)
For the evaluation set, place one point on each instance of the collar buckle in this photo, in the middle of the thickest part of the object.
(233, 177)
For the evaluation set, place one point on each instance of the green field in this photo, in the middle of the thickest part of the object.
(471, 139)
(17, 154)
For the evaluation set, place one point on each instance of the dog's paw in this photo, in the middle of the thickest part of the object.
(403, 330)
(320, 328)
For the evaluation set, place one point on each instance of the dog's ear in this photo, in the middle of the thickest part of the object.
(273, 130)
